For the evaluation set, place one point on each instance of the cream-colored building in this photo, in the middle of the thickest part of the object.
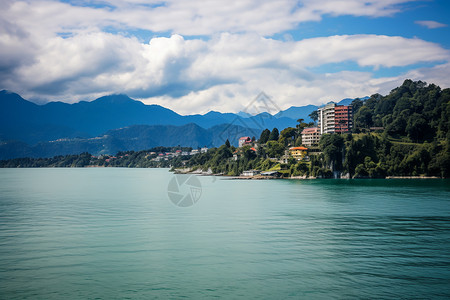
(311, 136)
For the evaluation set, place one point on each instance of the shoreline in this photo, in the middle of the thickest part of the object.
(209, 173)
(413, 177)
(259, 177)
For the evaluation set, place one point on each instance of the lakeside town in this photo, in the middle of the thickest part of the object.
(403, 134)
(331, 119)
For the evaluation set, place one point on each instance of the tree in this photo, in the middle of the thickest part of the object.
(274, 149)
(332, 145)
(418, 129)
(227, 143)
(356, 105)
(274, 135)
(249, 154)
(363, 118)
(314, 116)
(300, 126)
(261, 152)
(264, 136)
(288, 135)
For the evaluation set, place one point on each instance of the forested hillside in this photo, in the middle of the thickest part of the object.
(405, 133)
(415, 110)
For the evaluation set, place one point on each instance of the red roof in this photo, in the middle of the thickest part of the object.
(298, 148)
(310, 130)
(244, 138)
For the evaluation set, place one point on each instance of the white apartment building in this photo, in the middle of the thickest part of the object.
(326, 122)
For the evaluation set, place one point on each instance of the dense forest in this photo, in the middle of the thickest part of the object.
(125, 159)
(405, 133)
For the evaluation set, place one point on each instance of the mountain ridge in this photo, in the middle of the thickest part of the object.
(19, 118)
(31, 128)
(135, 137)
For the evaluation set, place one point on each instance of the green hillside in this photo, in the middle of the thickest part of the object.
(405, 133)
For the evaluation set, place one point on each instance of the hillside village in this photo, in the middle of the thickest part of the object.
(300, 143)
(405, 133)
(402, 134)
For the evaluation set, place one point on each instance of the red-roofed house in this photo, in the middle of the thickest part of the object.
(244, 141)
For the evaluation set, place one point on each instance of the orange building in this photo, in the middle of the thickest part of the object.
(298, 152)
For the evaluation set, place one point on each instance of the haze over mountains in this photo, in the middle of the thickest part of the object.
(117, 122)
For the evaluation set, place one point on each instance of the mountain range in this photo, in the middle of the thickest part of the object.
(117, 122)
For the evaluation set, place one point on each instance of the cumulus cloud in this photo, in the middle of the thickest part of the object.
(438, 74)
(13, 53)
(194, 17)
(431, 24)
(224, 72)
(61, 51)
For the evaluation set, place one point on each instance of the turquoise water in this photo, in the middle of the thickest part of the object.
(115, 234)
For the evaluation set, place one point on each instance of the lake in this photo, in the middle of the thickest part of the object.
(112, 233)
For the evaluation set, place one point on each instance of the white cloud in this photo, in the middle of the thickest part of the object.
(368, 50)
(12, 50)
(58, 51)
(194, 17)
(438, 75)
(373, 8)
(222, 73)
(431, 24)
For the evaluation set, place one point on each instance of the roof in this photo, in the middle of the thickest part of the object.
(252, 148)
(244, 138)
(270, 173)
(298, 148)
(310, 130)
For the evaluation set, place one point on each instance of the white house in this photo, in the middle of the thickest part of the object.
(251, 172)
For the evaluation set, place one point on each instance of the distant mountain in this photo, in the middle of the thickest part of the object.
(82, 118)
(25, 121)
(348, 101)
(61, 128)
(243, 114)
(136, 137)
(297, 112)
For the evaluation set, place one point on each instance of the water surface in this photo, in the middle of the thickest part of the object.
(113, 234)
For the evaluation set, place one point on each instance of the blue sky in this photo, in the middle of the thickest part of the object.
(195, 56)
